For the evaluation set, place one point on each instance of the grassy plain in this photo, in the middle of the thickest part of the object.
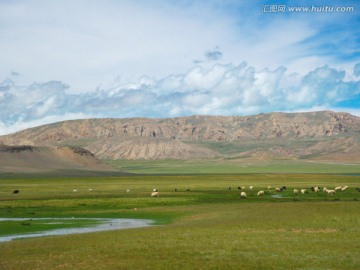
(232, 166)
(207, 227)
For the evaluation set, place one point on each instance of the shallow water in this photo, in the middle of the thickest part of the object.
(104, 225)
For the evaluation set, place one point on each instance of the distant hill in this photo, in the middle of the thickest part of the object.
(322, 135)
(30, 159)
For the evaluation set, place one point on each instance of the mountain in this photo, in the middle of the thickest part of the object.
(31, 159)
(322, 135)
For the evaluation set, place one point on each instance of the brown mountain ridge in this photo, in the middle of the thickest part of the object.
(322, 135)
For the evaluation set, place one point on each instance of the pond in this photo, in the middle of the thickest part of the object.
(99, 224)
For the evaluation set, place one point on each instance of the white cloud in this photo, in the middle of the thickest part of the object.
(219, 90)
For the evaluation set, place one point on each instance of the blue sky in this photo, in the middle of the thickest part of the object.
(79, 59)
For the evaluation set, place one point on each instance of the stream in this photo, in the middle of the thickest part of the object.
(106, 224)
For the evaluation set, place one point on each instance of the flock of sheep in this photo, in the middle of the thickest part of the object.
(269, 190)
(315, 189)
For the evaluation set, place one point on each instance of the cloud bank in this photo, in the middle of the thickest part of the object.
(221, 89)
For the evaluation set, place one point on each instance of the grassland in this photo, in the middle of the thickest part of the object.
(232, 166)
(207, 227)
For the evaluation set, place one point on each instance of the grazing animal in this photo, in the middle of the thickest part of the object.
(296, 191)
(243, 188)
(128, 190)
(338, 188)
(251, 187)
(175, 189)
(261, 193)
(155, 190)
(239, 188)
(316, 189)
(344, 188)
(331, 191)
(243, 195)
(325, 189)
(188, 189)
(75, 190)
(155, 194)
(229, 188)
(303, 191)
(278, 189)
(269, 187)
(16, 191)
(283, 187)
(91, 190)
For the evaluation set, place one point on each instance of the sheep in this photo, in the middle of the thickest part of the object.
(229, 188)
(269, 187)
(16, 191)
(296, 191)
(155, 190)
(128, 190)
(243, 195)
(260, 193)
(243, 188)
(278, 189)
(75, 190)
(331, 192)
(155, 194)
(239, 188)
(344, 188)
(175, 189)
(316, 189)
(283, 187)
(325, 189)
(338, 188)
(91, 190)
(303, 191)
(251, 187)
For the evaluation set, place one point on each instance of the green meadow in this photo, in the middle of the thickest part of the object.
(202, 225)
(232, 166)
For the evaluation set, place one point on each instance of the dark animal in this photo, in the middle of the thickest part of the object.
(239, 188)
(16, 191)
(188, 189)
(175, 189)
(229, 188)
(283, 188)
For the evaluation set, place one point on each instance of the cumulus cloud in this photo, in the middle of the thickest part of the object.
(217, 90)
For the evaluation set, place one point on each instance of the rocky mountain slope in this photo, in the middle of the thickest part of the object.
(273, 135)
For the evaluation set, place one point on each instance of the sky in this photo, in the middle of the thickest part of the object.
(64, 59)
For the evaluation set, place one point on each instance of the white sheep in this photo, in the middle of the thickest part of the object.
(260, 193)
(91, 190)
(128, 190)
(325, 189)
(316, 189)
(155, 194)
(296, 191)
(344, 188)
(243, 188)
(278, 189)
(154, 190)
(75, 190)
(303, 191)
(331, 191)
(243, 194)
(251, 187)
(269, 187)
(338, 188)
